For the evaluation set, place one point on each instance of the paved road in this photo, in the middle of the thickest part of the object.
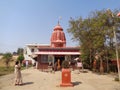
(36, 80)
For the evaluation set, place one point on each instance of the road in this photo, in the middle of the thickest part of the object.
(34, 79)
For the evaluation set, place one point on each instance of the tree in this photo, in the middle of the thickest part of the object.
(7, 57)
(20, 51)
(20, 58)
(95, 35)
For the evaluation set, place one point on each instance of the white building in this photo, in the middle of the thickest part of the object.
(30, 49)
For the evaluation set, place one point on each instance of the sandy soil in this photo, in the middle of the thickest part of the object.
(37, 80)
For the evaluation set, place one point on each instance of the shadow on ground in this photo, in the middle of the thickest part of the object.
(27, 83)
(76, 83)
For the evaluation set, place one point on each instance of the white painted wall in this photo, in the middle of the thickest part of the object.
(28, 53)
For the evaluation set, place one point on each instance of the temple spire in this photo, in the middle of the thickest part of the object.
(58, 38)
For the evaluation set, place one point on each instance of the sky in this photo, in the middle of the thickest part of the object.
(32, 21)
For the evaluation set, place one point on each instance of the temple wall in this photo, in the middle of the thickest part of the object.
(44, 65)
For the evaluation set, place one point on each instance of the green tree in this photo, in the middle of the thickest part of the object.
(7, 57)
(20, 58)
(20, 51)
(95, 35)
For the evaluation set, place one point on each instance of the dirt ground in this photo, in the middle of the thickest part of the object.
(34, 79)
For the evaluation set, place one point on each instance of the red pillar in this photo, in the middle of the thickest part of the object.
(66, 78)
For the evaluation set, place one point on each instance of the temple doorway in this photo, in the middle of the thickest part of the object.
(61, 58)
(58, 61)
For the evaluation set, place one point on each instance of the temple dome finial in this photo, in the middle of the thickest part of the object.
(59, 20)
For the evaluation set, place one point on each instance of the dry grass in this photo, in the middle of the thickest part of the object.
(12, 62)
(3, 69)
(2, 64)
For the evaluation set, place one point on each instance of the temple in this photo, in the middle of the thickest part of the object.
(43, 54)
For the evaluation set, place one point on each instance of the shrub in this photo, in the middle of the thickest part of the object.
(20, 58)
(7, 58)
(65, 64)
(117, 78)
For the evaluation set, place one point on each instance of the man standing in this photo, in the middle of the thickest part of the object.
(26, 64)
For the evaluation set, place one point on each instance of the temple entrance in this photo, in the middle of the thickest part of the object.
(58, 62)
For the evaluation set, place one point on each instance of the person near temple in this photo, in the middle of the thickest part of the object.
(79, 65)
(18, 76)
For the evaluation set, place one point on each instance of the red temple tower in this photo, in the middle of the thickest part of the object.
(58, 38)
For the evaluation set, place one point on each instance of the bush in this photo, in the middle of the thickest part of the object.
(20, 58)
(65, 64)
(113, 68)
(117, 78)
(4, 70)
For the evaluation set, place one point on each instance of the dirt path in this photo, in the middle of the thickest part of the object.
(36, 80)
